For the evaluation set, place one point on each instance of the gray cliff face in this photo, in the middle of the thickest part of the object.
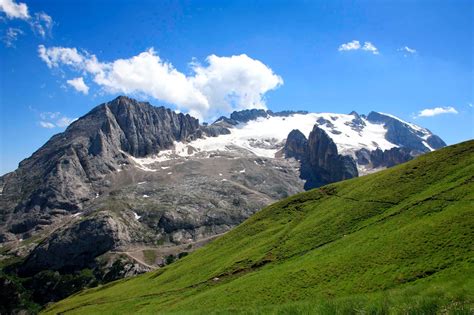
(75, 247)
(388, 158)
(320, 162)
(296, 145)
(69, 170)
(326, 165)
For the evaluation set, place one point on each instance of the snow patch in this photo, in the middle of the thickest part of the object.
(136, 216)
(427, 145)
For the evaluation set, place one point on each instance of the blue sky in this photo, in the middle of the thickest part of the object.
(400, 57)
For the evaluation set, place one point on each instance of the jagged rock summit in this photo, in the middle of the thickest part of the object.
(69, 170)
(321, 163)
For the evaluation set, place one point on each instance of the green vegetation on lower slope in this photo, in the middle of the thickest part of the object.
(398, 241)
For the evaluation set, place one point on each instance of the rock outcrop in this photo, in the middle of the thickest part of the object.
(388, 158)
(77, 246)
(320, 162)
(296, 145)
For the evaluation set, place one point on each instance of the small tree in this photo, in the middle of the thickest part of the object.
(169, 259)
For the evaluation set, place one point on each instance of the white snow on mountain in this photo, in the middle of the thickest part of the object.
(265, 136)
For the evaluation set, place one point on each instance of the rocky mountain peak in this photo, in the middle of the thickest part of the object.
(68, 171)
(248, 114)
(296, 145)
(406, 134)
(321, 163)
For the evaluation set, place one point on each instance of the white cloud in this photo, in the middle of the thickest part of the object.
(79, 85)
(221, 85)
(429, 112)
(56, 56)
(354, 45)
(14, 10)
(42, 24)
(407, 51)
(46, 124)
(51, 120)
(11, 35)
(235, 82)
(368, 46)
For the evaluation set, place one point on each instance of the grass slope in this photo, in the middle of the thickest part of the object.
(398, 241)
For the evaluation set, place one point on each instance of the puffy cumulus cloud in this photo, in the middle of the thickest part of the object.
(221, 85)
(79, 85)
(14, 10)
(355, 45)
(147, 74)
(429, 112)
(11, 35)
(235, 82)
(52, 120)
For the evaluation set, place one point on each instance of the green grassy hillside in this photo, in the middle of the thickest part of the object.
(398, 241)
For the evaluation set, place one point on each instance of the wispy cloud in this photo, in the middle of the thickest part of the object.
(79, 85)
(47, 124)
(429, 112)
(407, 51)
(11, 36)
(220, 86)
(40, 22)
(368, 46)
(51, 120)
(355, 45)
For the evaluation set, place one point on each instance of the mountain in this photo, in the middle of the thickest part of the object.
(399, 241)
(129, 187)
